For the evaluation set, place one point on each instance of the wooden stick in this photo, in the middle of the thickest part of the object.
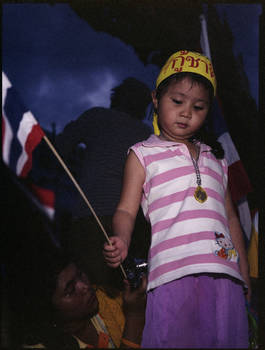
(82, 194)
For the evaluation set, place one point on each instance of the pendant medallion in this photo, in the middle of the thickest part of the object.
(200, 195)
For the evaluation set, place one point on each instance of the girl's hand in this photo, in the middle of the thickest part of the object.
(116, 253)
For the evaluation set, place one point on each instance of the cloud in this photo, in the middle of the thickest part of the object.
(60, 65)
(100, 96)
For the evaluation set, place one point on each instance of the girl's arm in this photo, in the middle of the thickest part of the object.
(238, 240)
(125, 214)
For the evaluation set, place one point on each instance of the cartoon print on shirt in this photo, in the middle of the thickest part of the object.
(225, 249)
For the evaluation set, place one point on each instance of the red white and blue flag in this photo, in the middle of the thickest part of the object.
(238, 180)
(21, 134)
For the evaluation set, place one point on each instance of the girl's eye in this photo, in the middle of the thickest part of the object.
(198, 108)
(178, 102)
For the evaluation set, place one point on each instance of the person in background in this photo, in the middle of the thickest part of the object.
(198, 270)
(94, 146)
(71, 313)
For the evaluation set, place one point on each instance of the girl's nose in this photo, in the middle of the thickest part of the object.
(186, 112)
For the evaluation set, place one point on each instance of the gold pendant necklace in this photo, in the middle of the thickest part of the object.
(200, 194)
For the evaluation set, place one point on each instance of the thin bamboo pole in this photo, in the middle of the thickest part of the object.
(81, 193)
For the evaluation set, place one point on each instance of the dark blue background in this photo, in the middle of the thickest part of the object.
(61, 66)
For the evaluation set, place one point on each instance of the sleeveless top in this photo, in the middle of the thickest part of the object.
(188, 237)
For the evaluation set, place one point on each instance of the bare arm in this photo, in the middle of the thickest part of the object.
(125, 214)
(238, 240)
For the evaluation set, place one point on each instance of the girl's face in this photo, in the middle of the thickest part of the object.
(181, 110)
(74, 297)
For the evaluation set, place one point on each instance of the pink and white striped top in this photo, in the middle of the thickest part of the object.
(188, 237)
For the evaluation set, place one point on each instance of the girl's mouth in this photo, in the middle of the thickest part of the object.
(182, 125)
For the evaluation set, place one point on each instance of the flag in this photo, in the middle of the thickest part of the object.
(21, 134)
(238, 180)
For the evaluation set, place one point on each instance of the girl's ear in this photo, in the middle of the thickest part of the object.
(155, 102)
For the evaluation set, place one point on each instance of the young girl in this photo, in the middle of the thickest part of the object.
(195, 282)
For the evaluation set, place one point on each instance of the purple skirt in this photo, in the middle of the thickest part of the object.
(199, 311)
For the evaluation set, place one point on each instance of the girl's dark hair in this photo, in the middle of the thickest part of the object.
(205, 134)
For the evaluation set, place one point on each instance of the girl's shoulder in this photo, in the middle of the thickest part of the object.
(147, 141)
(154, 141)
(138, 148)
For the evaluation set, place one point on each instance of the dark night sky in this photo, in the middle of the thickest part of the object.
(62, 67)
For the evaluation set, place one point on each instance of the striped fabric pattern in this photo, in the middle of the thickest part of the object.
(21, 136)
(21, 133)
(183, 230)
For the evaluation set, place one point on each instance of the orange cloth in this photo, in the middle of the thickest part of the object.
(110, 309)
(103, 341)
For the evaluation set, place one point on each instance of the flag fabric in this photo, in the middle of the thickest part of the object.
(238, 180)
(21, 134)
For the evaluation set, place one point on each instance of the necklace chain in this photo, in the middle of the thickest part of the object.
(200, 195)
(196, 168)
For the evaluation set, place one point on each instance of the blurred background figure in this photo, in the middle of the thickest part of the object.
(94, 146)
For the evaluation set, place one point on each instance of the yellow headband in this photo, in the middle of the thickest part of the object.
(185, 61)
